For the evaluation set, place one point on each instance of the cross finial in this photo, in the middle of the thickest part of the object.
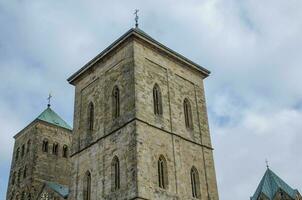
(49, 98)
(266, 161)
(136, 17)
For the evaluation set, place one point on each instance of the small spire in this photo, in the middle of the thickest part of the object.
(49, 98)
(136, 17)
(266, 161)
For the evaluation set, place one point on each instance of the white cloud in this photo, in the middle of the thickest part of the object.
(252, 48)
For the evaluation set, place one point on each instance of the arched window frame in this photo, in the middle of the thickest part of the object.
(28, 146)
(87, 186)
(65, 151)
(188, 113)
(23, 195)
(45, 146)
(55, 148)
(115, 102)
(17, 154)
(19, 176)
(29, 196)
(115, 174)
(162, 172)
(195, 184)
(25, 172)
(14, 178)
(157, 100)
(22, 150)
(90, 123)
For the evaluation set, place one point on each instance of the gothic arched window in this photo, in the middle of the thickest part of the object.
(28, 146)
(45, 146)
(29, 196)
(195, 183)
(162, 172)
(17, 153)
(116, 173)
(25, 172)
(65, 151)
(87, 186)
(55, 148)
(22, 150)
(23, 195)
(157, 100)
(14, 178)
(188, 114)
(90, 116)
(18, 176)
(115, 102)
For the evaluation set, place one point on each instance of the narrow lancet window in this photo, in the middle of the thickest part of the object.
(55, 149)
(17, 153)
(22, 150)
(162, 173)
(25, 172)
(87, 186)
(188, 114)
(28, 146)
(14, 178)
(157, 100)
(65, 151)
(195, 183)
(116, 102)
(116, 173)
(90, 116)
(45, 146)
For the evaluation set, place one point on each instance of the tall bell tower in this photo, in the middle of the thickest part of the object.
(41, 154)
(140, 125)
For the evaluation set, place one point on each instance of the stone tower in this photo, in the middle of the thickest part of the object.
(140, 125)
(40, 155)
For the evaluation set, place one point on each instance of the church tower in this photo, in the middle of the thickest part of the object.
(40, 156)
(140, 125)
(272, 187)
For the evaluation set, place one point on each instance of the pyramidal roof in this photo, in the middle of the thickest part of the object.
(270, 184)
(48, 115)
(138, 33)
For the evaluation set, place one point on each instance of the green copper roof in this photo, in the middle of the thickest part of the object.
(270, 184)
(48, 115)
(60, 189)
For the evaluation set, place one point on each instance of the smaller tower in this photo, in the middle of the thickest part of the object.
(272, 187)
(40, 157)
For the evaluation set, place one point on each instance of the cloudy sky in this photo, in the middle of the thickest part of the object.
(252, 47)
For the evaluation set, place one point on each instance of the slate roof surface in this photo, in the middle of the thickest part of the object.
(139, 33)
(60, 189)
(48, 115)
(270, 184)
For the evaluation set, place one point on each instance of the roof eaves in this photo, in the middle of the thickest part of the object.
(172, 52)
(55, 125)
(99, 56)
(141, 34)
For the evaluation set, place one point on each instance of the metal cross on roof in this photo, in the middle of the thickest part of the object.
(49, 98)
(266, 161)
(136, 17)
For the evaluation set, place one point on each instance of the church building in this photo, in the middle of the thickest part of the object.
(140, 131)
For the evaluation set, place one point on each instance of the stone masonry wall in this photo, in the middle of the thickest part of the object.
(138, 137)
(40, 166)
(167, 134)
